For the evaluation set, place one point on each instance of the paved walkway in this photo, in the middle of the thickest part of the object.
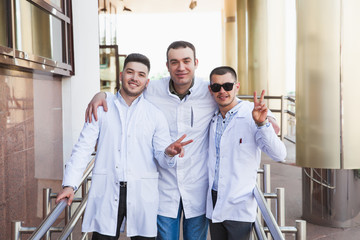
(289, 177)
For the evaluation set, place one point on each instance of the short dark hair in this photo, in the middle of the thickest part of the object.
(222, 71)
(137, 57)
(180, 44)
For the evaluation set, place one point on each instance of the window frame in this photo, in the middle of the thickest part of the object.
(12, 56)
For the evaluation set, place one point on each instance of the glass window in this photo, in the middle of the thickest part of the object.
(41, 33)
(5, 33)
(37, 32)
(55, 3)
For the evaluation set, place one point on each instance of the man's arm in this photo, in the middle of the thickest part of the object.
(80, 158)
(98, 100)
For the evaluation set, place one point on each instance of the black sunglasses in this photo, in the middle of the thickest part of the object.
(226, 86)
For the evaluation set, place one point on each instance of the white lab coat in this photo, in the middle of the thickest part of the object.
(240, 156)
(148, 136)
(191, 116)
(189, 179)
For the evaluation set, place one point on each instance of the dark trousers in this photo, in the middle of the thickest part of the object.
(229, 230)
(121, 215)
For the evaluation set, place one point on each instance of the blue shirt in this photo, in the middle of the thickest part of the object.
(221, 125)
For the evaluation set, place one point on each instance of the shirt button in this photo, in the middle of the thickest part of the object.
(116, 167)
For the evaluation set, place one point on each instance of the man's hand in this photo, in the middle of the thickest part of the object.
(259, 112)
(67, 192)
(177, 147)
(98, 100)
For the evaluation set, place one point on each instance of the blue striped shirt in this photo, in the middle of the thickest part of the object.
(221, 124)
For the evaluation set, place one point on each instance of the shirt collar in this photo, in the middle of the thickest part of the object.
(173, 91)
(232, 111)
(122, 100)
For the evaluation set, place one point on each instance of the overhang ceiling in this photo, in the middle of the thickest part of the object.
(163, 6)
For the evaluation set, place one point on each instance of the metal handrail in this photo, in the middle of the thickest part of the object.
(267, 215)
(55, 213)
(263, 198)
(49, 220)
(260, 233)
(70, 226)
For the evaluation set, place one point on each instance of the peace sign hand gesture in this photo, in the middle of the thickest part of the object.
(259, 112)
(177, 147)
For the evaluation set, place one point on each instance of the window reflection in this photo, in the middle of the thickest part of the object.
(5, 34)
(56, 3)
(108, 69)
(37, 32)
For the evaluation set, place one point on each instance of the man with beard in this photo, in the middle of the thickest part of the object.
(188, 107)
(238, 132)
(129, 137)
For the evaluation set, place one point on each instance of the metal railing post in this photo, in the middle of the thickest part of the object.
(70, 226)
(46, 208)
(46, 202)
(68, 218)
(301, 229)
(267, 181)
(15, 230)
(282, 113)
(280, 206)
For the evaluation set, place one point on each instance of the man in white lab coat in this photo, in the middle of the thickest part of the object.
(188, 107)
(238, 132)
(129, 136)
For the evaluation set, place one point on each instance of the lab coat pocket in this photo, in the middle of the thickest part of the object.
(149, 187)
(98, 184)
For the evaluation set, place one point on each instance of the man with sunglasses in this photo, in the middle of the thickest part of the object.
(188, 107)
(238, 132)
